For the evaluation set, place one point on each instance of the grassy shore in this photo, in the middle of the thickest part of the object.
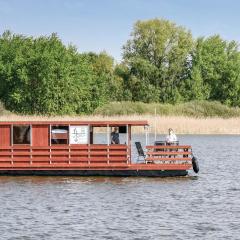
(181, 125)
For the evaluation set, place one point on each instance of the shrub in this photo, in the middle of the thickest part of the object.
(198, 109)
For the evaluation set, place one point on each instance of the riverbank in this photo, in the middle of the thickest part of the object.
(180, 124)
(195, 109)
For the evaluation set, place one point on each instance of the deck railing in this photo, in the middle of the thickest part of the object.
(168, 154)
(64, 155)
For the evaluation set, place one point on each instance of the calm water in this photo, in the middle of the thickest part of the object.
(203, 207)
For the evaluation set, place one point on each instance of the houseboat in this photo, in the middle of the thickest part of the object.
(74, 148)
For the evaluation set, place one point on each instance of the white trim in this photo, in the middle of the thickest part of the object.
(11, 135)
(127, 134)
(108, 135)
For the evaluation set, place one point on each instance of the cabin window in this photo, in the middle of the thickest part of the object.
(79, 134)
(21, 134)
(59, 134)
(118, 135)
(109, 135)
(100, 135)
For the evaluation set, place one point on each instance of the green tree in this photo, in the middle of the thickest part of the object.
(122, 74)
(158, 59)
(215, 71)
(194, 88)
(41, 75)
(108, 85)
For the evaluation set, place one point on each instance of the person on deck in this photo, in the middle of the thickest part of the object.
(115, 136)
(171, 137)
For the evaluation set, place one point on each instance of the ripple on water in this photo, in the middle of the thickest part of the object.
(203, 206)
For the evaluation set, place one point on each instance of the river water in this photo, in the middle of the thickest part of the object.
(203, 206)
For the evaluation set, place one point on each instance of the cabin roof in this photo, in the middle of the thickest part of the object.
(92, 123)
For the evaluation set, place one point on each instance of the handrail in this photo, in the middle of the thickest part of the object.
(168, 159)
(106, 154)
(169, 146)
(168, 154)
(92, 154)
(59, 146)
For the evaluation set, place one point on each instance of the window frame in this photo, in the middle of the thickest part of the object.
(12, 135)
(52, 128)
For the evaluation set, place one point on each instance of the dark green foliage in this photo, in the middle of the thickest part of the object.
(215, 73)
(42, 76)
(107, 85)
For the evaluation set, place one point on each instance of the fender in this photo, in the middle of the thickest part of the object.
(195, 164)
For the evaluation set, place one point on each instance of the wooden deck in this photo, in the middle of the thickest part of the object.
(96, 157)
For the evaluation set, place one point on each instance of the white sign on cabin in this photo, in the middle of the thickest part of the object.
(78, 134)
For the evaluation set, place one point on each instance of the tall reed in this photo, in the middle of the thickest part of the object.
(181, 125)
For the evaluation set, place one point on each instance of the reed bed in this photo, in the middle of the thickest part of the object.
(196, 109)
(180, 124)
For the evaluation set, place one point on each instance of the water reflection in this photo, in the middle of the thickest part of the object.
(96, 180)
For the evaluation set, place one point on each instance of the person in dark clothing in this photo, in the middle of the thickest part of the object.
(115, 136)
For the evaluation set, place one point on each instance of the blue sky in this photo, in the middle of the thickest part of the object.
(93, 25)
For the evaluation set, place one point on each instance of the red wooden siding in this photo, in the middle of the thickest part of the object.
(5, 135)
(40, 135)
(70, 155)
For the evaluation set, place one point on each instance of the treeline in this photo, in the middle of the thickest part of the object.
(43, 76)
(162, 63)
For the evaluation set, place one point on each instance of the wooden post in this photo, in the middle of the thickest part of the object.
(108, 142)
(11, 144)
(69, 147)
(50, 143)
(31, 144)
(146, 134)
(89, 151)
(129, 142)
